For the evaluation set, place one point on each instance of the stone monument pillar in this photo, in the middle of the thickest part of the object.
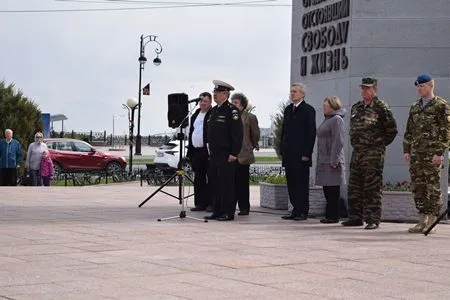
(337, 42)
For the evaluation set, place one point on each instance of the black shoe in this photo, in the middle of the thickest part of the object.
(225, 218)
(198, 208)
(243, 213)
(289, 217)
(329, 221)
(371, 226)
(300, 218)
(211, 217)
(353, 222)
(209, 209)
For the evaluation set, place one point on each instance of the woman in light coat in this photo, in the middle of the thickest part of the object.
(34, 156)
(330, 156)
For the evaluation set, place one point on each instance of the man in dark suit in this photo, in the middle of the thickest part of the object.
(224, 143)
(198, 153)
(297, 143)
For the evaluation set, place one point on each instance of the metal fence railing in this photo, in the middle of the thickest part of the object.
(102, 138)
(152, 175)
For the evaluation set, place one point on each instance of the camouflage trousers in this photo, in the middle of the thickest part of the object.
(365, 184)
(426, 183)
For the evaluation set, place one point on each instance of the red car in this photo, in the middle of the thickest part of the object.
(76, 155)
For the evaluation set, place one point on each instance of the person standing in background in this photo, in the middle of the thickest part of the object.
(198, 153)
(425, 141)
(245, 157)
(297, 143)
(372, 128)
(10, 159)
(224, 144)
(46, 168)
(330, 156)
(34, 156)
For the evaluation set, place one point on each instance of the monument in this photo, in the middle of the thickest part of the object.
(337, 42)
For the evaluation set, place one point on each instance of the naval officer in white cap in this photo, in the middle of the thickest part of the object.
(224, 137)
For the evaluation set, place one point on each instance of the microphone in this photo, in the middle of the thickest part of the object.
(196, 100)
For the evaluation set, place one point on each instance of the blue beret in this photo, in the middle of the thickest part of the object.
(423, 78)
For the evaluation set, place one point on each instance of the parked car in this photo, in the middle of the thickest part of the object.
(76, 155)
(168, 155)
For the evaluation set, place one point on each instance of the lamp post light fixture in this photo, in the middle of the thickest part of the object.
(142, 60)
(131, 106)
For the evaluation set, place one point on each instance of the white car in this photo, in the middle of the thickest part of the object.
(168, 155)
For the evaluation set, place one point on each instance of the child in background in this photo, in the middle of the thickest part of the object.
(47, 169)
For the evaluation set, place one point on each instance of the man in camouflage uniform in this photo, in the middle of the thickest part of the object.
(372, 128)
(425, 141)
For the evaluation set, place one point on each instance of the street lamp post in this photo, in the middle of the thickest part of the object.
(131, 106)
(142, 60)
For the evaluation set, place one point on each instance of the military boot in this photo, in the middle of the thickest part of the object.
(423, 221)
(431, 220)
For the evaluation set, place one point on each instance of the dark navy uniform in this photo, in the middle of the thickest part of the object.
(224, 139)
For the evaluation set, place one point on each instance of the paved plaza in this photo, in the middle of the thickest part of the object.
(95, 243)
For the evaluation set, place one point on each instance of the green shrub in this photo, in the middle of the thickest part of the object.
(20, 114)
(275, 179)
(277, 124)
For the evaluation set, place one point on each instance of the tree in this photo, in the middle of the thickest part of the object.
(277, 123)
(19, 114)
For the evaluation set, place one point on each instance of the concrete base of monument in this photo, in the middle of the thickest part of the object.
(400, 207)
(396, 206)
(273, 196)
(317, 202)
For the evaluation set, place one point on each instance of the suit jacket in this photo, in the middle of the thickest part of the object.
(250, 139)
(298, 134)
(190, 151)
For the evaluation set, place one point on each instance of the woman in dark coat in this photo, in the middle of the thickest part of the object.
(330, 156)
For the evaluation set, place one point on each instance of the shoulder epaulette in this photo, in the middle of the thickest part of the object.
(440, 99)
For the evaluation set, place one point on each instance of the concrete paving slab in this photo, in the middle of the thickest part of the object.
(95, 243)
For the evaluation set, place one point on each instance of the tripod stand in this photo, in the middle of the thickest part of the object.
(180, 175)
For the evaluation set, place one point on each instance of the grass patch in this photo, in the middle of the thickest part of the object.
(267, 159)
(141, 161)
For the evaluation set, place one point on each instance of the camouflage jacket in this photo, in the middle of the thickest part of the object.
(372, 126)
(427, 129)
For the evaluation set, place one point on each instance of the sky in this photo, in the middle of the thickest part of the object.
(84, 64)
